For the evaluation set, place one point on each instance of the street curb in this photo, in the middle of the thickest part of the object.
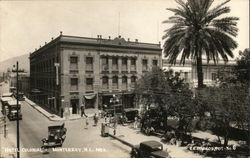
(51, 118)
(33, 106)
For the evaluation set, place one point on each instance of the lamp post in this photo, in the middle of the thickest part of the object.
(114, 100)
(17, 98)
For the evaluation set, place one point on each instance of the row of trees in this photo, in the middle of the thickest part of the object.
(221, 107)
(199, 31)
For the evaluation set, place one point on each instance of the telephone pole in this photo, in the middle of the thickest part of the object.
(18, 108)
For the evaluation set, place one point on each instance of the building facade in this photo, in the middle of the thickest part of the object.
(23, 84)
(211, 71)
(70, 71)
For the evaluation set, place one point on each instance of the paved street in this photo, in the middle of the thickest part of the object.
(33, 128)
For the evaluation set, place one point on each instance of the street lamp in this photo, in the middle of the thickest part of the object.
(17, 98)
(113, 100)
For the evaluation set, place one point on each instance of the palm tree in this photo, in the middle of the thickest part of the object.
(199, 31)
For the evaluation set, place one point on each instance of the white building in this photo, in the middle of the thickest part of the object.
(189, 71)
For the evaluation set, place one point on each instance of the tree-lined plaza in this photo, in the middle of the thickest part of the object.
(198, 32)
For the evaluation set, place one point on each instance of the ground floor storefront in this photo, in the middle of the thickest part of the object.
(72, 103)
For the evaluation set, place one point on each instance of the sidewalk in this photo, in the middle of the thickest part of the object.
(134, 137)
(53, 117)
(130, 136)
(8, 146)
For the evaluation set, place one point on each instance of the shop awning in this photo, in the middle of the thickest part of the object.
(35, 91)
(90, 96)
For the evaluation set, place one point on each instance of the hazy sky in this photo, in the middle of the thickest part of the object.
(25, 25)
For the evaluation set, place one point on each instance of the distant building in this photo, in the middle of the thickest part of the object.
(23, 82)
(70, 70)
(189, 71)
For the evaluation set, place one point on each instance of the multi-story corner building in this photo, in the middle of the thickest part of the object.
(70, 70)
(189, 71)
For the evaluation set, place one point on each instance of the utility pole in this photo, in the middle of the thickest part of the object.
(17, 98)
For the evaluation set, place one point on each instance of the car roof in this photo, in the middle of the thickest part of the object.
(13, 102)
(151, 143)
(7, 98)
(7, 94)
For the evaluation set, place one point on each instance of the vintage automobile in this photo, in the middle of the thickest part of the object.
(152, 122)
(12, 89)
(12, 110)
(56, 136)
(20, 96)
(149, 149)
(114, 109)
(4, 100)
(130, 114)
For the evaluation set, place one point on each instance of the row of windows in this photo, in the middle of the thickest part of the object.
(105, 63)
(45, 66)
(74, 63)
(105, 82)
(46, 83)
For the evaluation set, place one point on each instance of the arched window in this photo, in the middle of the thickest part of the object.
(133, 81)
(115, 82)
(105, 82)
(124, 82)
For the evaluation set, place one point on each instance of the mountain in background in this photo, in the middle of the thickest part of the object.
(23, 62)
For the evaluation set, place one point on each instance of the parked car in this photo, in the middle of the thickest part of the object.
(149, 149)
(130, 114)
(20, 96)
(152, 122)
(114, 109)
(12, 110)
(12, 89)
(4, 100)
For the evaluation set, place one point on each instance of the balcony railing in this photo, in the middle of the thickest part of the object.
(124, 86)
(89, 68)
(105, 86)
(115, 86)
(74, 88)
(132, 85)
(73, 66)
(89, 87)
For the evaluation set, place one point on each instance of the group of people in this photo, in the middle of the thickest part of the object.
(95, 118)
(108, 119)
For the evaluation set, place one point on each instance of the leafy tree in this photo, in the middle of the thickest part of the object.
(185, 109)
(169, 94)
(242, 69)
(200, 31)
(151, 87)
(240, 73)
(227, 103)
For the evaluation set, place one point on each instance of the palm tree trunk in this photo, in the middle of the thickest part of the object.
(199, 72)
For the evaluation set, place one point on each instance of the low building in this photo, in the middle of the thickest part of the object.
(70, 71)
(188, 71)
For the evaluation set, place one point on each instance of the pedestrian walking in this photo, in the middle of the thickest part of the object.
(83, 110)
(136, 122)
(105, 118)
(95, 119)
(86, 123)
(115, 126)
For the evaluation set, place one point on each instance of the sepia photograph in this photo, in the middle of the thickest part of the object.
(124, 79)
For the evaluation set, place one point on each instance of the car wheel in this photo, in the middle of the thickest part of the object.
(134, 154)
